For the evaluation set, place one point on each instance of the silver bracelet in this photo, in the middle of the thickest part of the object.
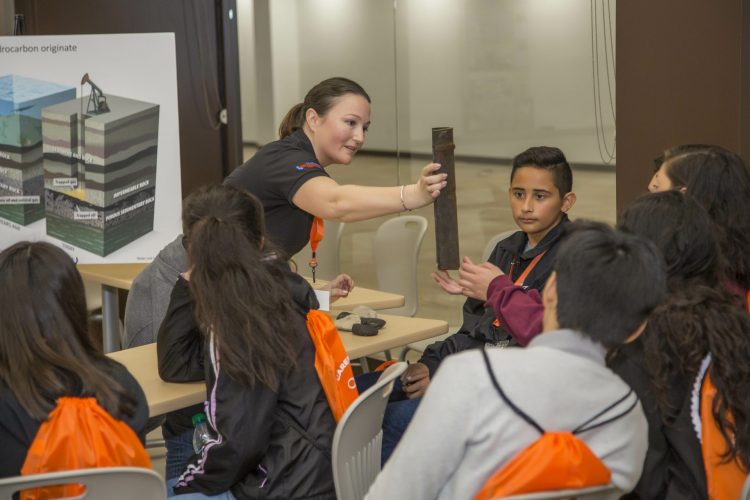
(402, 199)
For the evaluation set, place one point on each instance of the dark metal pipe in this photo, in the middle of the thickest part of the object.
(446, 212)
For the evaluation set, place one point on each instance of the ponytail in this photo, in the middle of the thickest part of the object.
(240, 294)
(294, 120)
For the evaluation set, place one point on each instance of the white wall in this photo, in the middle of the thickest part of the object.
(506, 74)
(353, 39)
(245, 32)
(286, 37)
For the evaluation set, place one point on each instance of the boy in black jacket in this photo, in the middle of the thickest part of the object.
(540, 193)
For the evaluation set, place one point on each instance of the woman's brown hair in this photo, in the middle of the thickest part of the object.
(320, 98)
(45, 348)
(239, 287)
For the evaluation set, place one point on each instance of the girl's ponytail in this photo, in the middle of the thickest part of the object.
(294, 120)
(239, 297)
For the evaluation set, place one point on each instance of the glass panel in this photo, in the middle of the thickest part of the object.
(505, 74)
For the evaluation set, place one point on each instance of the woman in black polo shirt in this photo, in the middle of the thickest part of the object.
(289, 176)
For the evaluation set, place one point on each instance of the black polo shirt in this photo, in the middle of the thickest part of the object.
(274, 175)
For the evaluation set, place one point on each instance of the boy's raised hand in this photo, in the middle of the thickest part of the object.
(448, 284)
(475, 278)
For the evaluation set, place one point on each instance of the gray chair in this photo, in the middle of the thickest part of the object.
(328, 253)
(112, 483)
(396, 248)
(358, 439)
(745, 495)
(421, 345)
(607, 492)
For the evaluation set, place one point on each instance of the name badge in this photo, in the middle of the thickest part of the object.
(324, 299)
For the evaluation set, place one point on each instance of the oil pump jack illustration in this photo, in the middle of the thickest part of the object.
(97, 100)
(100, 169)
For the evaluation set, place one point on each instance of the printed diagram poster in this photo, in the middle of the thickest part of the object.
(89, 144)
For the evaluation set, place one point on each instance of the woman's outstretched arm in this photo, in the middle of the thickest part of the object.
(325, 198)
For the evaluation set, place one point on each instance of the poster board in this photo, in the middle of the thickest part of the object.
(89, 144)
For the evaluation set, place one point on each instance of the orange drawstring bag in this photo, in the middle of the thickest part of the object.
(555, 461)
(80, 434)
(723, 479)
(332, 363)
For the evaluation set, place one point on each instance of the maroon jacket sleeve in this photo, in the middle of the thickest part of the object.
(520, 311)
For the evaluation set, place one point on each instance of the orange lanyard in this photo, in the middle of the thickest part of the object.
(317, 231)
(527, 271)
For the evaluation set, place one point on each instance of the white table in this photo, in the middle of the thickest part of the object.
(120, 276)
(164, 397)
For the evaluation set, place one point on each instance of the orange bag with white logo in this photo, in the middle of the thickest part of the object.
(332, 363)
(555, 461)
(80, 434)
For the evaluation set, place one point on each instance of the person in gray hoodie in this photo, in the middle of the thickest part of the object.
(496, 402)
(149, 296)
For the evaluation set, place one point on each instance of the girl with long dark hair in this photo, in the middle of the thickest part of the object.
(719, 180)
(237, 320)
(699, 325)
(46, 352)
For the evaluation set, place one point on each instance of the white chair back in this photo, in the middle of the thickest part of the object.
(493, 243)
(396, 249)
(358, 439)
(328, 253)
(113, 483)
(745, 495)
(607, 492)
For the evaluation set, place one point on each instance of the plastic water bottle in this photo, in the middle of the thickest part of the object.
(200, 434)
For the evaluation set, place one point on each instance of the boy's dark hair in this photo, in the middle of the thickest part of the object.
(608, 282)
(547, 158)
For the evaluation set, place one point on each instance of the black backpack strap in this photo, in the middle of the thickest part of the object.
(583, 427)
(505, 398)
